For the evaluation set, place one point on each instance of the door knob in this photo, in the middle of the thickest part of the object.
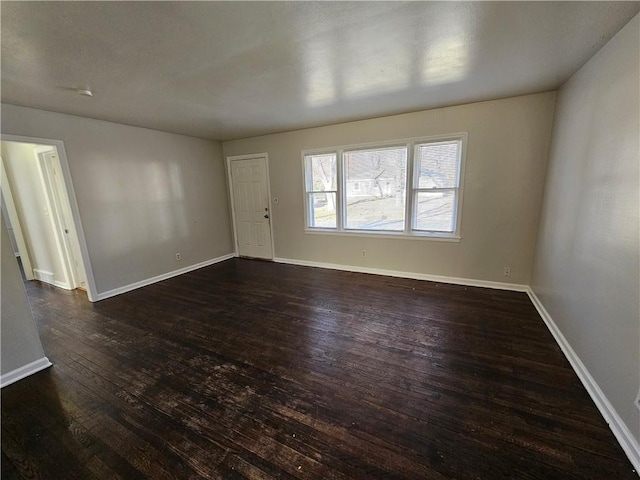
(266, 216)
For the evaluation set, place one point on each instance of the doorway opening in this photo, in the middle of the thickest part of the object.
(37, 210)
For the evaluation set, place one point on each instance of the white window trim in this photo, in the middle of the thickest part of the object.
(410, 190)
(308, 193)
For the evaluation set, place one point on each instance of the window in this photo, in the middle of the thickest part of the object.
(409, 187)
(379, 206)
(322, 190)
(436, 181)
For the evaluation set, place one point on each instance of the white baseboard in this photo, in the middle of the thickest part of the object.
(516, 287)
(64, 286)
(44, 276)
(622, 433)
(49, 277)
(159, 278)
(24, 371)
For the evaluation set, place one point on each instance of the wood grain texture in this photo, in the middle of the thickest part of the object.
(250, 369)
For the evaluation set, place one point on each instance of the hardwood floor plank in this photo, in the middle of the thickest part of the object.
(250, 369)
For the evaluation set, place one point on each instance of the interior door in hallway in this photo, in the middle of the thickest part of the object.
(250, 194)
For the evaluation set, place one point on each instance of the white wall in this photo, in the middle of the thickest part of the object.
(31, 204)
(506, 161)
(19, 341)
(587, 265)
(143, 195)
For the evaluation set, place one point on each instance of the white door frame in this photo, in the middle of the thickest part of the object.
(14, 219)
(230, 159)
(92, 291)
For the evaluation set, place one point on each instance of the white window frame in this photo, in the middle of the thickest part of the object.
(309, 193)
(343, 206)
(411, 189)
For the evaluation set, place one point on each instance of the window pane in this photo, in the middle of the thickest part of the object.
(322, 210)
(321, 173)
(375, 189)
(437, 165)
(435, 211)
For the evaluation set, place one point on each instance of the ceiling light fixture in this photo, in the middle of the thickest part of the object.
(84, 91)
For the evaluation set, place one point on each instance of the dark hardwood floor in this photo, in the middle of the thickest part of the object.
(250, 369)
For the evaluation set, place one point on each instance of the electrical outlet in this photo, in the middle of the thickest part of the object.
(178, 256)
(364, 253)
(507, 271)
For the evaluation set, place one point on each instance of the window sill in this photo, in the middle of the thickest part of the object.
(386, 235)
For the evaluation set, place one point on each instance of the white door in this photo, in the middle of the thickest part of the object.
(55, 191)
(250, 193)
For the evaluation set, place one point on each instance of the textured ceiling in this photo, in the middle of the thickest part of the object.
(225, 70)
